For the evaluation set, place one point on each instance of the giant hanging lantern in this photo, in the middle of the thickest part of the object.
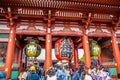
(95, 49)
(64, 49)
(32, 49)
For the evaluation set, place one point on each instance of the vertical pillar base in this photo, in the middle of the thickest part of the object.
(118, 75)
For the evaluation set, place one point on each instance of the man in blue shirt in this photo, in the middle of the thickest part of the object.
(32, 75)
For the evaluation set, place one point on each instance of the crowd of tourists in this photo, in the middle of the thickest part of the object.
(59, 72)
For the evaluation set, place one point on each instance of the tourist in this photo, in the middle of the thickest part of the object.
(67, 74)
(23, 75)
(75, 75)
(60, 73)
(93, 72)
(51, 75)
(2, 75)
(32, 75)
(87, 74)
(41, 74)
(101, 74)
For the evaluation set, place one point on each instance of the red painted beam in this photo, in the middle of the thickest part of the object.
(61, 33)
(6, 40)
(30, 32)
(110, 66)
(3, 39)
(99, 34)
(118, 35)
(17, 45)
(4, 31)
(80, 45)
(2, 68)
(118, 42)
(106, 45)
(26, 32)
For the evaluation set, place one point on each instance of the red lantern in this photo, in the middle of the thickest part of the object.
(64, 49)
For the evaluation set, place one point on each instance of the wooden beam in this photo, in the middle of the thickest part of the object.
(110, 66)
(88, 21)
(100, 34)
(80, 45)
(2, 68)
(62, 33)
(17, 45)
(4, 31)
(118, 42)
(106, 45)
(118, 35)
(31, 32)
(3, 39)
(6, 40)
(77, 40)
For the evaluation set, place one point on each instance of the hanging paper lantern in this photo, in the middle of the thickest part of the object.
(64, 49)
(95, 49)
(32, 49)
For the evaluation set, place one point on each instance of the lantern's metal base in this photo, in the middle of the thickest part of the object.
(32, 59)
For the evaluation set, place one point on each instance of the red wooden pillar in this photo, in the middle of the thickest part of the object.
(48, 52)
(76, 60)
(116, 52)
(20, 61)
(86, 51)
(10, 52)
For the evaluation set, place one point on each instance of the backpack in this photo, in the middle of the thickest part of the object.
(2, 75)
(60, 75)
(33, 76)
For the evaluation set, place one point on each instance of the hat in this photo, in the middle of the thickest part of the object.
(32, 68)
(101, 67)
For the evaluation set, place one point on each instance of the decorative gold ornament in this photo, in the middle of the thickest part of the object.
(95, 49)
(32, 49)
(64, 61)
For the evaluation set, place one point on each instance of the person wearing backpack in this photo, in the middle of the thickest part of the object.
(2, 75)
(60, 74)
(75, 75)
(32, 75)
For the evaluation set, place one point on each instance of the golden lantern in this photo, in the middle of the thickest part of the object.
(95, 49)
(32, 49)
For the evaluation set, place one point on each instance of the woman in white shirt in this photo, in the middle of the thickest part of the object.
(88, 75)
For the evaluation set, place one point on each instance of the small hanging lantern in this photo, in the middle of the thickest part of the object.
(64, 49)
(32, 49)
(95, 49)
